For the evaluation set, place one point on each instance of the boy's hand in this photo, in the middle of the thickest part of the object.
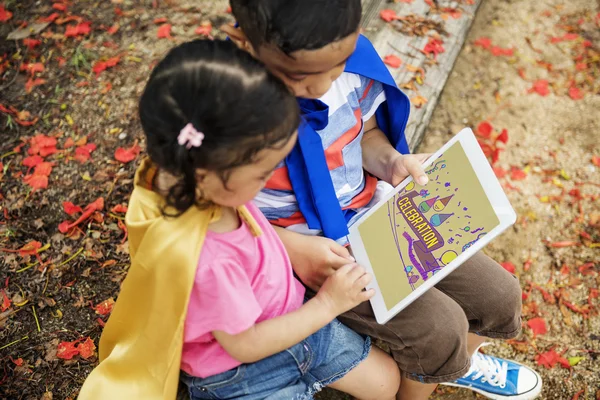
(381, 159)
(403, 165)
(343, 290)
(314, 258)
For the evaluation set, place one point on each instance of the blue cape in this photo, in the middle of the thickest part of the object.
(307, 167)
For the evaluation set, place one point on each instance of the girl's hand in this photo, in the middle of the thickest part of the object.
(344, 290)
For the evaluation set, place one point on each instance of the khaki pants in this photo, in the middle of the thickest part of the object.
(428, 339)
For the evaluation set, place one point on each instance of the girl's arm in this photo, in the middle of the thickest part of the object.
(340, 293)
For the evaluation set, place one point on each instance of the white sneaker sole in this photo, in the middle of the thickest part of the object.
(532, 394)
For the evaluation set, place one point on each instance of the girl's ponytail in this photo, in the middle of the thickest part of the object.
(228, 97)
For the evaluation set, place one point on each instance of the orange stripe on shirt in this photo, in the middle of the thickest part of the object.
(364, 96)
(280, 180)
(333, 153)
(295, 218)
(364, 197)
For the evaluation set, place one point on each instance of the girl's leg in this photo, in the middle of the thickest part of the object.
(413, 390)
(376, 378)
(474, 342)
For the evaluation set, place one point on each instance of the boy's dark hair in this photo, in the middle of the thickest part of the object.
(292, 25)
(227, 95)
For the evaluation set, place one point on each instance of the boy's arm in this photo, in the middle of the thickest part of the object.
(381, 159)
(342, 292)
(314, 258)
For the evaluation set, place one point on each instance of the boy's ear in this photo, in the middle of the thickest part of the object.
(237, 36)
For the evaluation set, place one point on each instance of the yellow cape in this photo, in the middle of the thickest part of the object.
(140, 348)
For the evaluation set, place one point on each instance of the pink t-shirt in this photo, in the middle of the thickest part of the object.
(241, 280)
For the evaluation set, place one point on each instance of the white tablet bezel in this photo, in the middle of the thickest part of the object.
(493, 190)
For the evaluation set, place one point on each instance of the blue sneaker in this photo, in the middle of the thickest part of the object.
(499, 379)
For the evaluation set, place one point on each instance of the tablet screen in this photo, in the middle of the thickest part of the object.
(423, 228)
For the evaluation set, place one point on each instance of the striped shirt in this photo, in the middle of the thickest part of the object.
(352, 100)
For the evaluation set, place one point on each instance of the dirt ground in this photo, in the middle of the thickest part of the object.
(56, 288)
(553, 139)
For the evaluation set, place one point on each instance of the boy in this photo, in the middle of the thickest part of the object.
(349, 152)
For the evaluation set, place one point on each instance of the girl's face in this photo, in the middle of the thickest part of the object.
(246, 181)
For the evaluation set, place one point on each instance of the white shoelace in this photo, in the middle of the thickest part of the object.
(488, 369)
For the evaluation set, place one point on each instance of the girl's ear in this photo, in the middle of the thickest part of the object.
(237, 36)
(201, 176)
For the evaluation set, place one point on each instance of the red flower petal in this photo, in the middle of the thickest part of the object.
(96, 205)
(32, 161)
(126, 155)
(517, 174)
(86, 349)
(503, 136)
(113, 29)
(550, 358)
(388, 15)
(4, 14)
(571, 36)
(393, 61)
(575, 93)
(44, 168)
(36, 181)
(537, 326)
(105, 307)
(484, 129)
(67, 350)
(69, 143)
(64, 227)
(540, 87)
(483, 42)
(119, 208)
(499, 51)
(46, 151)
(50, 18)
(434, 46)
(5, 302)
(71, 208)
(30, 248)
(31, 83)
(204, 29)
(84, 153)
(59, 6)
(81, 29)
(495, 155)
(510, 267)
(500, 172)
(164, 31)
(100, 66)
(31, 43)
(32, 68)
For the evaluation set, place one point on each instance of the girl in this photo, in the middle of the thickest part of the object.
(211, 289)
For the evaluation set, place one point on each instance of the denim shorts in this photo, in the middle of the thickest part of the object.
(296, 373)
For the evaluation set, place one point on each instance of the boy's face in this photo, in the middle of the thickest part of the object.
(309, 73)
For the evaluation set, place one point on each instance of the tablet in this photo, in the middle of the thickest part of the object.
(417, 235)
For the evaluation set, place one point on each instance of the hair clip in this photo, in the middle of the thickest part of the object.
(190, 137)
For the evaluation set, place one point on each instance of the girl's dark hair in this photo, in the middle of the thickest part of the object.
(227, 95)
(292, 25)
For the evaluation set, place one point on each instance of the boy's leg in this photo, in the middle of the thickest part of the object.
(489, 295)
(491, 299)
(428, 341)
(376, 378)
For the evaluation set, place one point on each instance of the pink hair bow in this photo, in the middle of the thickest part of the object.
(190, 137)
